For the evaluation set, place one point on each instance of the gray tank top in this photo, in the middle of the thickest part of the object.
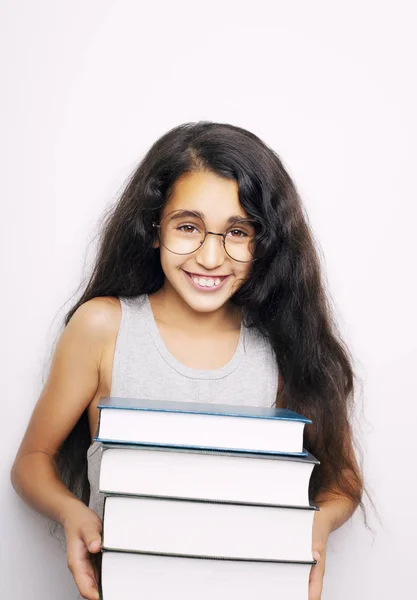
(143, 367)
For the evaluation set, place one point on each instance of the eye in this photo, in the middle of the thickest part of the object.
(188, 228)
(237, 233)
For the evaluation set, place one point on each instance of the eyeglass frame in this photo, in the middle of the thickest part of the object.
(223, 236)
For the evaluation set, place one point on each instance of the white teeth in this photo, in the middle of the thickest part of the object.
(205, 281)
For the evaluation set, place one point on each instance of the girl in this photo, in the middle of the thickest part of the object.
(207, 287)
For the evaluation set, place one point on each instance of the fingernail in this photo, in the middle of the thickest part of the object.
(316, 555)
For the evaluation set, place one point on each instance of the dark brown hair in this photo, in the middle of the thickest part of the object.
(284, 298)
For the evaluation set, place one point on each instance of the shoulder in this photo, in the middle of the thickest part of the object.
(97, 319)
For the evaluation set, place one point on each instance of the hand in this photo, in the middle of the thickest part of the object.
(315, 585)
(321, 532)
(335, 509)
(83, 533)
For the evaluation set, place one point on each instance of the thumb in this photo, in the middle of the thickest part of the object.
(92, 539)
(316, 555)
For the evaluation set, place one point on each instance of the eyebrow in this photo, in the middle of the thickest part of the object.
(230, 220)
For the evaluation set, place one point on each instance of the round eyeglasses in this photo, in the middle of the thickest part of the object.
(184, 232)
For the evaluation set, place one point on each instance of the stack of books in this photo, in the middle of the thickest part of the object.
(204, 501)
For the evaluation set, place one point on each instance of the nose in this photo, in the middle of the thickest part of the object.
(211, 254)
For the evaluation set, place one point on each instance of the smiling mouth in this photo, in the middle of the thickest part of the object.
(208, 281)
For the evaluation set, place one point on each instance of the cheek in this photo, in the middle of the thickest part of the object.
(168, 260)
(241, 275)
(244, 271)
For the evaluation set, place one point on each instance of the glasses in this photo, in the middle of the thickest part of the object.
(184, 232)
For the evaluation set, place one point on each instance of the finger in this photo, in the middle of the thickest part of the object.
(92, 540)
(87, 587)
(85, 580)
(315, 582)
(80, 565)
(316, 555)
(314, 590)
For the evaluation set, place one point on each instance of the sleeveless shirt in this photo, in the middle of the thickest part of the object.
(143, 367)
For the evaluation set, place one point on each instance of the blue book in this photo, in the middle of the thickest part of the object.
(219, 427)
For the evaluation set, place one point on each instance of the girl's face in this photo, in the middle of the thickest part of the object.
(216, 198)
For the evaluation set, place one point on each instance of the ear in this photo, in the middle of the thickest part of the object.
(155, 243)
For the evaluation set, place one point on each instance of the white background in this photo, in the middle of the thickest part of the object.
(88, 85)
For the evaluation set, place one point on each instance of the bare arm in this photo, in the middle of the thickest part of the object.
(72, 383)
(335, 509)
(334, 512)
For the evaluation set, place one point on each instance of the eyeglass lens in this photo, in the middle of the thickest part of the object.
(185, 234)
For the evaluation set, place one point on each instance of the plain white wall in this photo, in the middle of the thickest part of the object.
(88, 85)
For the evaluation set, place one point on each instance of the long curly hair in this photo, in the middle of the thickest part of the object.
(284, 298)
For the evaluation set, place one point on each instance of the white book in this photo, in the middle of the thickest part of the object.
(207, 529)
(147, 577)
(197, 425)
(206, 475)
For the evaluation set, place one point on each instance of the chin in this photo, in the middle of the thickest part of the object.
(204, 303)
(178, 283)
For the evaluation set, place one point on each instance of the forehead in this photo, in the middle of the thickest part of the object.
(215, 197)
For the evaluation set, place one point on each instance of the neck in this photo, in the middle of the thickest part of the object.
(169, 308)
